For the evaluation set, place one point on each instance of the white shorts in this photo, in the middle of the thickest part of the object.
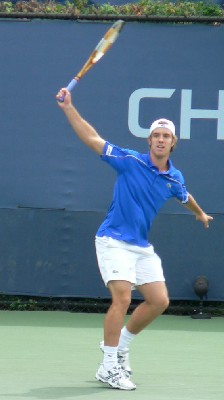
(119, 260)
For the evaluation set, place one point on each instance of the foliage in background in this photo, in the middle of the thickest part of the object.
(140, 8)
(86, 305)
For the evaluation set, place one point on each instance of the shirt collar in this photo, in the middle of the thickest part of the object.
(151, 165)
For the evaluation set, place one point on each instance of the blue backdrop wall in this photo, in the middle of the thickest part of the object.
(55, 191)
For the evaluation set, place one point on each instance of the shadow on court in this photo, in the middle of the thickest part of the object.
(57, 392)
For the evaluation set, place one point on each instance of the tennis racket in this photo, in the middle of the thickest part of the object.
(102, 47)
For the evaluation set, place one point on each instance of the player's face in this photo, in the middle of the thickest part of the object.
(161, 141)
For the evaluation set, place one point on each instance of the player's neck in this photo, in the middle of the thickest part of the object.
(160, 162)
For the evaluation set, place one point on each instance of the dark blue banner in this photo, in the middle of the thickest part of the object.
(152, 71)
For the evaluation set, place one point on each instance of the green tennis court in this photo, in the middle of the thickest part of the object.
(54, 355)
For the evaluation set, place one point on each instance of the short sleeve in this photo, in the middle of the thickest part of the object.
(180, 188)
(115, 156)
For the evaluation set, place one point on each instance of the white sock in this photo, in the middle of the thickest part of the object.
(110, 357)
(126, 338)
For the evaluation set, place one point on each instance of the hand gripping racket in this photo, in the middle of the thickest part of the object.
(102, 47)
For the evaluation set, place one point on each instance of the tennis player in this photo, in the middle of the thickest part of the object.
(126, 259)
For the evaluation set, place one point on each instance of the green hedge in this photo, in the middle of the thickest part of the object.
(176, 307)
(138, 9)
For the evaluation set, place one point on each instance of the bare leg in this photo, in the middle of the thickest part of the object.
(121, 298)
(155, 302)
(110, 372)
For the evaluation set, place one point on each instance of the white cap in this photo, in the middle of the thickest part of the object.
(162, 123)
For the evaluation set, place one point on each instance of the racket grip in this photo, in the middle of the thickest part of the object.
(72, 84)
(70, 87)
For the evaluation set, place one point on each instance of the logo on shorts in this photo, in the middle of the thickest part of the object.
(115, 271)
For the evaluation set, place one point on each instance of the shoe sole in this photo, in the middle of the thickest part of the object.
(99, 379)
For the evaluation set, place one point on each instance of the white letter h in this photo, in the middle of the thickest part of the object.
(187, 114)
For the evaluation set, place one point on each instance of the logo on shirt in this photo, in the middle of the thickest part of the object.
(168, 185)
(109, 150)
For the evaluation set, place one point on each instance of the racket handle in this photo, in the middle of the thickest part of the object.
(70, 87)
(72, 84)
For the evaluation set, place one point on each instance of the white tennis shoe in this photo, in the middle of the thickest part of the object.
(115, 378)
(123, 359)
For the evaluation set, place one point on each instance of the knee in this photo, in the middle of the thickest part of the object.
(164, 302)
(121, 294)
(122, 301)
(161, 302)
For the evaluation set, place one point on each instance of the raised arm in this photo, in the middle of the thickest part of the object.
(200, 215)
(82, 128)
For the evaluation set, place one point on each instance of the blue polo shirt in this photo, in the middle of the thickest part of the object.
(139, 192)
